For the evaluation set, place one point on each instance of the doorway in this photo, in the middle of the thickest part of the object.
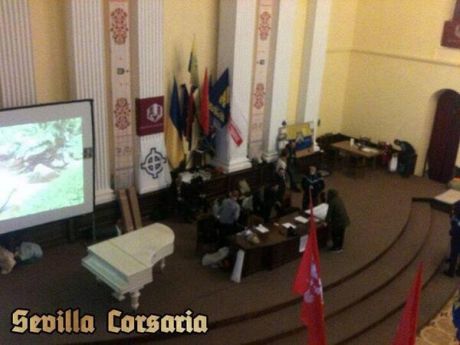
(445, 136)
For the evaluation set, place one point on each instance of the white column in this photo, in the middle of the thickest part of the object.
(147, 81)
(279, 72)
(314, 56)
(237, 22)
(88, 79)
(17, 85)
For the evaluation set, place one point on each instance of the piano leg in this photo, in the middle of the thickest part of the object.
(135, 299)
(119, 296)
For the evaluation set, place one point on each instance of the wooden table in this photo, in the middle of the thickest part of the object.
(275, 247)
(362, 154)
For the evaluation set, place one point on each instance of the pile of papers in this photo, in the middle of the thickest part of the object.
(301, 219)
(262, 229)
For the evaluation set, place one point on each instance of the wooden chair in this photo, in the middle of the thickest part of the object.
(130, 212)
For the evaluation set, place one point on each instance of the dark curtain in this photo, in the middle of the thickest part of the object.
(445, 135)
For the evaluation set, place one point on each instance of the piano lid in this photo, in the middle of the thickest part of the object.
(146, 245)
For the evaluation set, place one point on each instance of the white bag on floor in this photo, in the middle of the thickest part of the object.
(393, 166)
(216, 257)
(238, 267)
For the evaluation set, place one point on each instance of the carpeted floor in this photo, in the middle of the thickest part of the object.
(379, 205)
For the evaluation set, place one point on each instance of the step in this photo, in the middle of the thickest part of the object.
(434, 296)
(381, 273)
(440, 286)
(356, 288)
(343, 327)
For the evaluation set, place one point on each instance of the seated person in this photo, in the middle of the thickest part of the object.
(281, 171)
(273, 199)
(314, 182)
(228, 215)
(405, 157)
(181, 192)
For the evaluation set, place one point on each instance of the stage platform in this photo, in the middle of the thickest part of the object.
(365, 285)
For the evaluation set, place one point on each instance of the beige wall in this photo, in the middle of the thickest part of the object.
(48, 36)
(383, 70)
(185, 20)
(296, 61)
(340, 44)
(396, 70)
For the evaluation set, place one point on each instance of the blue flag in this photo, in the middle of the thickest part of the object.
(175, 109)
(219, 99)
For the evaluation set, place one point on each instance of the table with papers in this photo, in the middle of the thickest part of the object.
(280, 243)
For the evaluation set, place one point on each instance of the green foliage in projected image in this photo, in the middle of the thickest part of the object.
(41, 167)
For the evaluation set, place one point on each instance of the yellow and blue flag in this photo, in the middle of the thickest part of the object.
(219, 99)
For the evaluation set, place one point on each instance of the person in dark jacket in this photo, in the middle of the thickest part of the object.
(405, 157)
(314, 182)
(273, 199)
(336, 219)
(454, 241)
(291, 165)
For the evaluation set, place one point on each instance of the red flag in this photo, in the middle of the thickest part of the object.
(235, 132)
(407, 329)
(204, 105)
(308, 283)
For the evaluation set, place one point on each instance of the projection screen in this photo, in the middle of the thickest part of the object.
(46, 163)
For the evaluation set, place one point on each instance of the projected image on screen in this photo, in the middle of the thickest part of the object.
(41, 167)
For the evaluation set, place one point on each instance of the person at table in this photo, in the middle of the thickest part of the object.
(281, 171)
(454, 241)
(314, 182)
(273, 199)
(337, 219)
(405, 157)
(291, 165)
(228, 215)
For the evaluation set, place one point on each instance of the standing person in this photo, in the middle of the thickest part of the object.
(228, 215)
(314, 182)
(273, 199)
(336, 219)
(405, 157)
(291, 165)
(454, 241)
(280, 171)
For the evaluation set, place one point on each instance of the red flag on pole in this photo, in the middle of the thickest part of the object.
(204, 105)
(407, 328)
(308, 283)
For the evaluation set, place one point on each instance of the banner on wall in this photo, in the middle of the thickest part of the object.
(451, 33)
(152, 172)
(259, 84)
(150, 115)
(121, 94)
(152, 169)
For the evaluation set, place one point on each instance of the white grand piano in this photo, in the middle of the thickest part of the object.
(125, 263)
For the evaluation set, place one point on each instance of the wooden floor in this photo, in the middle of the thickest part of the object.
(365, 285)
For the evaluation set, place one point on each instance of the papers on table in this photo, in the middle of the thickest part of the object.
(369, 150)
(319, 211)
(262, 229)
(301, 219)
(288, 225)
